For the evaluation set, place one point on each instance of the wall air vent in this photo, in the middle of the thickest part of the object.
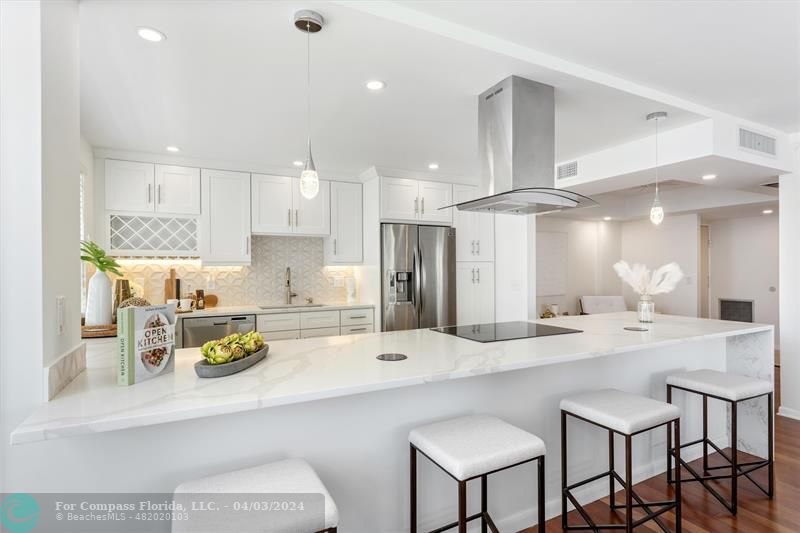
(567, 170)
(750, 140)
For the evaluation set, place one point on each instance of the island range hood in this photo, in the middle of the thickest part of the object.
(516, 134)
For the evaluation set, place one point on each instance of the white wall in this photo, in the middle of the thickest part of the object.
(592, 250)
(744, 265)
(87, 169)
(676, 239)
(790, 288)
(39, 145)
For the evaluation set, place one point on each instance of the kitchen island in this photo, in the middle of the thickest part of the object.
(331, 401)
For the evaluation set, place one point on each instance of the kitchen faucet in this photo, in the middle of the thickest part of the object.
(289, 293)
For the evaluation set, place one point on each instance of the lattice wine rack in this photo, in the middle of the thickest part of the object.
(132, 235)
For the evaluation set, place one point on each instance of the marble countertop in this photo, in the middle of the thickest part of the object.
(318, 368)
(256, 310)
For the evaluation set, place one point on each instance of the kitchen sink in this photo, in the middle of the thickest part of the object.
(289, 306)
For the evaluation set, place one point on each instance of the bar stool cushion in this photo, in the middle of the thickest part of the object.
(473, 445)
(290, 476)
(623, 412)
(721, 384)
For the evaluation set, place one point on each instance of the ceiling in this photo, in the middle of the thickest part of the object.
(228, 84)
(739, 57)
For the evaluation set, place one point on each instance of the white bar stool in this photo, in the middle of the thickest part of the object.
(733, 389)
(627, 415)
(291, 476)
(473, 447)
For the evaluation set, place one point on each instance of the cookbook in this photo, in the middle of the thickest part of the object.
(146, 341)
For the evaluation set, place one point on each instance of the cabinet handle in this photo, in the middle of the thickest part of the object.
(423, 205)
(416, 205)
(359, 316)
(247, 245)
(473, 275)
(479, 274)
(149, 193)
(334, 246)
(158, 193)
(296, 218)
(290, 217)
(472, 245)
(358, 329)
(479, 247)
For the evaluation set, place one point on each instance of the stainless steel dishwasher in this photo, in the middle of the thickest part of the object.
(197, 331)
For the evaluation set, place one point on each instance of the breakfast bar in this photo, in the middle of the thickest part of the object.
(332, 402)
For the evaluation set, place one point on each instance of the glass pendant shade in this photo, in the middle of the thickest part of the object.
(309, 179)
(656, 212)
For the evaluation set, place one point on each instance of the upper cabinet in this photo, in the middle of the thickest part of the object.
(413, 200)
(145, 187)
(345, 244)
(474, 231)
(280, 209)
(225, 220)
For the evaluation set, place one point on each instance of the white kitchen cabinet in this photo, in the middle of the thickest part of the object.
(225, 219)
(399, 198)
(355, 330)
(272, 204)
(474, 292)
(280, 209)
(474, 231)
(312, 216)
(270, 336)
(432, 196)
(278, 322)
(129, 185)
(319, 319)
(319, 332)
(415, 201)
(177, 190)
(345, 244)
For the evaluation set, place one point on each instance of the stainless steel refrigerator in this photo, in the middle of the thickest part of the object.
(418, 283)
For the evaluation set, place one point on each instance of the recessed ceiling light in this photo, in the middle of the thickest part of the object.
(767, 211)
(606, 218)
(375, 85)
(297, 163)
(151, 34)
(709, 176)
(173, 149)
(433, 166)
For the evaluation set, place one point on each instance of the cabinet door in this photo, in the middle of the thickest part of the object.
(129, 186)
(465, 294)
(399, 199)
(483, 231)
(272, 204)
(347, 226)
(319, 332)
(312, 216)
(484, 295)
(464, 221)
(225, 219)
(432, 196)
(177, 190)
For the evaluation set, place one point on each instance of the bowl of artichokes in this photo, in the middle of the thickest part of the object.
(231, 354)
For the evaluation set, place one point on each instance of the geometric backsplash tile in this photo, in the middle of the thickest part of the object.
(263, 282)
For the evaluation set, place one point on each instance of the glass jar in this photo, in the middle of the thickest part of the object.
(646, 309)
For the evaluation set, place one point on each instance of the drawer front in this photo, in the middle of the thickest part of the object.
(356, 317)
(319, 319)
(354, 330)
(278, 322)
(319, 332)
(281, 335)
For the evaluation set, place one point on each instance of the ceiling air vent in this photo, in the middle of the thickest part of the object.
(750, 140)
(567, 170)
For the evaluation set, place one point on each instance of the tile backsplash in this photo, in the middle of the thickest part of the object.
(260, 283)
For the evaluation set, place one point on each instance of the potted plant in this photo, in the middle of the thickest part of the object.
(98, 297)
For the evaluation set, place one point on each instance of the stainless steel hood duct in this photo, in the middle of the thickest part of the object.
(516, 133)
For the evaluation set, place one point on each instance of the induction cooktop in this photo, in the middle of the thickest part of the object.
(504, 331)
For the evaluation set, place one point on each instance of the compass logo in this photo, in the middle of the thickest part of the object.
(20, 513)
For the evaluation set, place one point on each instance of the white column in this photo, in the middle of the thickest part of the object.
(789, 279)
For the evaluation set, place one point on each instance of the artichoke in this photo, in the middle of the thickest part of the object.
(208, 347)
(237, 351)
(232, 348)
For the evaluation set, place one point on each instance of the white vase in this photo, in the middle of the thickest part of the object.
(98, 300)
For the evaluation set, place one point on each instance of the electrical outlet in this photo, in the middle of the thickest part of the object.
(61, 309)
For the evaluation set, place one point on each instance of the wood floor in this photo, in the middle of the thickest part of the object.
(702, 512)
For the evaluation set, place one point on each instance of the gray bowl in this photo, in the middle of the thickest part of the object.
(205, 369)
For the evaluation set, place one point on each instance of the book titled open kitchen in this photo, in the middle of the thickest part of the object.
(146, 338)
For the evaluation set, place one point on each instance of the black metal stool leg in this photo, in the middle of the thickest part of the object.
(413, 488)
(540, 495)
(484, 504)
(677, 428)
(462, 507)
(770, 447)
(734, 458)
(628, 485)
(669, 440)
(563, 470)
(705, 434)
(611, 468)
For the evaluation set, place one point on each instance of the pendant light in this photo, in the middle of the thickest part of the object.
(657, 211)
(309, 22)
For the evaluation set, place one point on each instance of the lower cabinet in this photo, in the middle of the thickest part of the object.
(474, 292)
(309, 324)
